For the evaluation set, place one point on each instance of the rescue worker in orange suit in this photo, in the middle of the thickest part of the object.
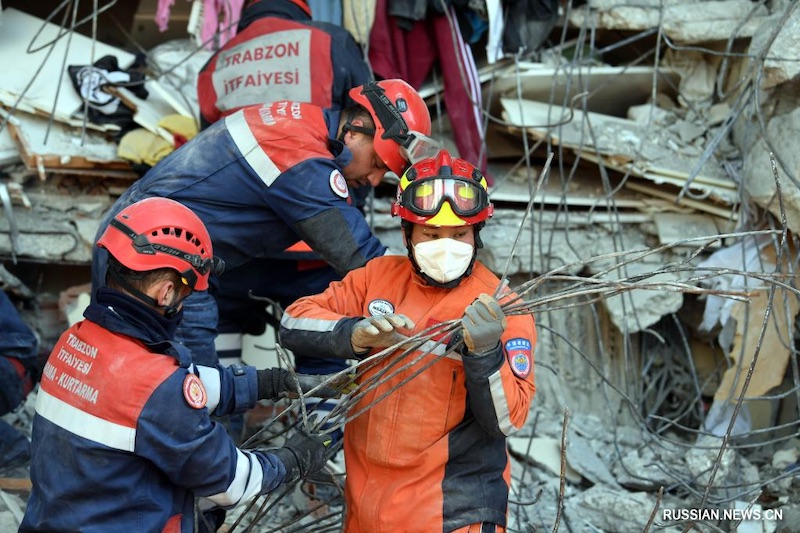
(123, 438)
(431, 455)
(279, 53)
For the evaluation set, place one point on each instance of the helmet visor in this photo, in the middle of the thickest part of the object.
(425, 197)
(421, 147)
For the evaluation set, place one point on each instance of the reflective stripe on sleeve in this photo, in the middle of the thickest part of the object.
(248, 145)
(246, 481)
(83, 424)
(211, 381)
(317, 325)
(500, 403)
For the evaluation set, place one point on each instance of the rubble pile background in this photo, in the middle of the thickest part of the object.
(673, 126)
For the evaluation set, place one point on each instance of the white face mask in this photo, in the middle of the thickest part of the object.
(443, 259)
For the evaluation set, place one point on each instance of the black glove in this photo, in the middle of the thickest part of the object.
(276, 383)
(303, 454)
(273, 383)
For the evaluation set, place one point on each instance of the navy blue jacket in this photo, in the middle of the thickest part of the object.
(122, 438)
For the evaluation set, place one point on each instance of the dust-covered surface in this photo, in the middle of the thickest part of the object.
(653, 277)
(612, 482)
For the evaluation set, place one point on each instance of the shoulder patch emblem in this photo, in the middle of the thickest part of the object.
(194, 392)
(518, 352)
(380, 307)
(338, 184)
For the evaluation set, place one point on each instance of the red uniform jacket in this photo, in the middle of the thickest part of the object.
(277, 59)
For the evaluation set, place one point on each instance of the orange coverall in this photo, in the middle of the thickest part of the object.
(430, 456)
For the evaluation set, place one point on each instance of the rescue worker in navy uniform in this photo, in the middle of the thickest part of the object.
(123, 438)
(270, 176)
(279, 53)
(266, 178)
(19, 370)
(435, 442)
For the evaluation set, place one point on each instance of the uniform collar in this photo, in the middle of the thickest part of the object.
(123, 314)
(285, 9)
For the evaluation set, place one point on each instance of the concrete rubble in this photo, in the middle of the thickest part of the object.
(674, 126)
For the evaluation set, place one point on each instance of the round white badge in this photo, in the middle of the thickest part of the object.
(338, 184)
(380, 307)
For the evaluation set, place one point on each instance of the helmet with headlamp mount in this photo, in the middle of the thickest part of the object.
(398, 111)
(161, 233)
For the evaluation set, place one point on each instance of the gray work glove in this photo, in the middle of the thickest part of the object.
(379, 332)
(303, 453)
(276, 383)
(484, 323)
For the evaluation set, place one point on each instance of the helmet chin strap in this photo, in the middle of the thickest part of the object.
(170, 310)
(349, 126)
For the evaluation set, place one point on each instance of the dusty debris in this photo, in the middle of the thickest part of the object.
(543, 452)
(641, 469)
(648, 154)
(56, 148)
(11, 515)
(777, 69)
(9, 153)
(608, 509)
(685, 21)
(644, 150)
(741, 324)
(38, 49)
(587, 463)
(780, 138)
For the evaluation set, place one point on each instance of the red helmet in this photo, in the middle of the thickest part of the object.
(397, 110)
(443, 191)
(162, 233)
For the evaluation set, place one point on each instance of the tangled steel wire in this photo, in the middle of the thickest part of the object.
(413, 355)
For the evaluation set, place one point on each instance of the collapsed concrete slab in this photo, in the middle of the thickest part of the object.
(685, 21)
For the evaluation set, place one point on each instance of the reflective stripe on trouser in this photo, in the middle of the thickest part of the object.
(484, 527)
(229, 348)
(318, 410)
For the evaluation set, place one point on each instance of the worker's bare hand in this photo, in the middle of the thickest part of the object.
(379, 331)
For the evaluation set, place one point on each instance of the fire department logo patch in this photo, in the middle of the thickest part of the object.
(194, 392)
(518, 352)
(380, 307)
(338, 184)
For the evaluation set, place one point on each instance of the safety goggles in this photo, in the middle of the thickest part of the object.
(203, 265)
(425, 197)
